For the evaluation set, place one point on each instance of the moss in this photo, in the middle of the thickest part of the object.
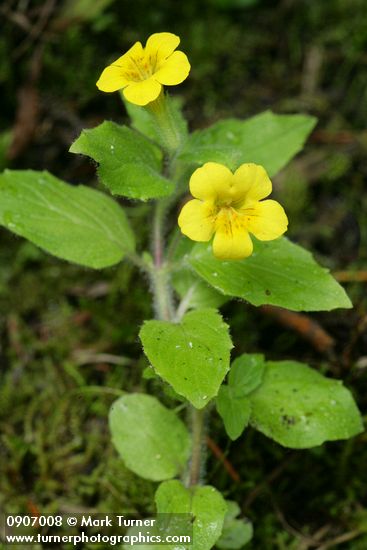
(58, 322)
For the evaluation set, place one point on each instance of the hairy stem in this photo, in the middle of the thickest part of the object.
(163, 302)
(158, 237)
(163, 305)
(160, 272)
(197, 430)
(162, 295)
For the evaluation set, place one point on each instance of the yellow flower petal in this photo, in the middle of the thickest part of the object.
(135, 52)
(174, 70)
(121, 72)
(252, 182)
(211, 182)
(112, 79)
(143, 92)
(266, 220)
(233, 244)
(161, 44)
(196, 220)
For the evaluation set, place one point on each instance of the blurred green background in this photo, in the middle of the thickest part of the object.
(69, 336)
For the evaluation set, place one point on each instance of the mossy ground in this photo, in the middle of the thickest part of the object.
(69, 336)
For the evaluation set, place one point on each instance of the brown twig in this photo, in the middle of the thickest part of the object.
(306, 327)
(351, 276)
(28, 111)
(218, 453)
(18, 18)
(356, 334)
(37, 29)
(345, 537)
(26, 120)
(343, 137)
(312, 69)
(305, 541)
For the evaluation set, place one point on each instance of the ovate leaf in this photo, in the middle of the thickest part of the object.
(129, 164)
(234, 411)
(192, 356)
(161, 527)
(75, 223)
(278, 272)
(152, 441)
(233, 406)
(206, 505)
(236, 532)
(246, 373)
(267, 139)
(299, 408)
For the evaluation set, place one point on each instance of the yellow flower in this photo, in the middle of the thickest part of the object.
(141, 72)
(230, 206)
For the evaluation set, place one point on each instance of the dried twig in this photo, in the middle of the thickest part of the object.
(312, 69)
(351, 276)
(345, 537)
(37, 29)
(306, 327)
(356, 334)
(218, 453)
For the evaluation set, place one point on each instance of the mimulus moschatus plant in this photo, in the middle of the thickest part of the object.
(227, 168)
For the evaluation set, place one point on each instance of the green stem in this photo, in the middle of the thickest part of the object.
(160, 272)
(163, 305)
(197, 430)
(158, 237)
(160, 276)
(162, 295)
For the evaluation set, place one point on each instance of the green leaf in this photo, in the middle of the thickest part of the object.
(162, 526)
(129, 164)
(246, 373)
(299, 408)
(192, 356)
(206, 505)
(152, 441)
(233, 510)
(278, 272)
(236, 532)
(245, 376)
(75, 223)
(267, 139)
(234, 411)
